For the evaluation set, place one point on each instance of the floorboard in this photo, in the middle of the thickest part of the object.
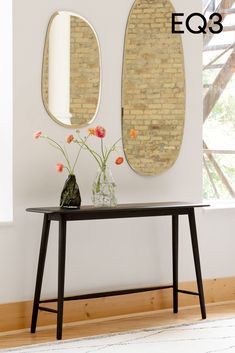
(117, 324)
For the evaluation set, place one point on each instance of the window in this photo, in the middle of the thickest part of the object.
(219, 105)
(6, 111)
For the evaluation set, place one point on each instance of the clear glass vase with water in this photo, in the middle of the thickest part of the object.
(103, 188)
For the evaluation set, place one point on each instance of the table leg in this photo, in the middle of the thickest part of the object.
(193, 230)
(41, 265)
(175, 250)
(61, 276)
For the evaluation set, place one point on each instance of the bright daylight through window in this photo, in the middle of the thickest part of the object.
(219, 105)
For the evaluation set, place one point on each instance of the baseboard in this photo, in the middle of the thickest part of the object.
(16, 316)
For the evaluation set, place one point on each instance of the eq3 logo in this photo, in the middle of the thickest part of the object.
(214, 24)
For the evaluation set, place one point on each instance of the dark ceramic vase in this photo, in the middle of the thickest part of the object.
(70, 196)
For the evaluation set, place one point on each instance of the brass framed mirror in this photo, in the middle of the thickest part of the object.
(71, 74)
(153, 88)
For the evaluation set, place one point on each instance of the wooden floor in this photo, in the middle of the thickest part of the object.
(117, 324)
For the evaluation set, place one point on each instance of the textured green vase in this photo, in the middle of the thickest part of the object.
(70, 196)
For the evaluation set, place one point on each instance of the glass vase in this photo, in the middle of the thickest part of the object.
(70, 196)
(103, 189)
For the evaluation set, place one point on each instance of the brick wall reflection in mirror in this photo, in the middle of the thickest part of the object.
(153, 88)
(71, 70)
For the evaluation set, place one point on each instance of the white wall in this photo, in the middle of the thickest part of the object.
(6, 111)
(110, 254)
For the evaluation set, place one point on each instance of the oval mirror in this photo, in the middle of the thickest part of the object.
(153, 88)
(71, 70)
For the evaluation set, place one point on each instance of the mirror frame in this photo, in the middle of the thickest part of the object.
(73, 126)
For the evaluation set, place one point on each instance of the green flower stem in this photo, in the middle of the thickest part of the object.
(110, 150)
(68, 170)
(67, 158)
(86, 138)
(102, 171)
(94, 154)
(58, 146)
(102, 148)
(97, 189)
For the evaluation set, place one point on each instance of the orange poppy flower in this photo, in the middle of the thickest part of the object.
(91, 131)
(133, 133)
(119, 160)
(70, 138)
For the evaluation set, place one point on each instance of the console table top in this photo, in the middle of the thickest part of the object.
(119, 208)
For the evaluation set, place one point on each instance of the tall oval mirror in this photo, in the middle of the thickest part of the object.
(71, 70)
(153, 88)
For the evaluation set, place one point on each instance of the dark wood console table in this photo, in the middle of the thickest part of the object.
(121, 211)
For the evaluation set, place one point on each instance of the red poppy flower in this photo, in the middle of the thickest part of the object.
(59, 167)
(37, 134)
(100, 132)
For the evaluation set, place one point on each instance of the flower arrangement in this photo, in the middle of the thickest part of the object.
(70, 167)
(103, 193)
(103, 187)
(103, 156)
(70, 196)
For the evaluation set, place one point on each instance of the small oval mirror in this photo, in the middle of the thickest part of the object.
(153, 96)
(71, 70)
